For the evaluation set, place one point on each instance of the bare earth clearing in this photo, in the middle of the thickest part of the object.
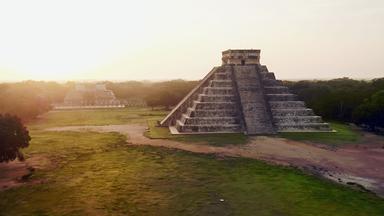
(15, 173)
(360, 165)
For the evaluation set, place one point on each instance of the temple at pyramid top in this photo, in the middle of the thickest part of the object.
(241, 57)
(242, 96)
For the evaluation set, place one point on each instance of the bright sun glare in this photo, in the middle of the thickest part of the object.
(135, 40)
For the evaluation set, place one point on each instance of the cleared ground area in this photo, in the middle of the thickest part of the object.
(83, 169)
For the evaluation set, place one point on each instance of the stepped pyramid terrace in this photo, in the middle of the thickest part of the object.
(89, 96)
(242, 96)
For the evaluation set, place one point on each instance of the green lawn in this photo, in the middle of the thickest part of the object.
(156, 132)
(98, 174)
(97, 117)
(344, 135)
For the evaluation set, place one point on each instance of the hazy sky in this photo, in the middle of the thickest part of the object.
(169, 39)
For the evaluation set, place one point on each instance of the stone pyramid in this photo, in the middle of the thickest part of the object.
(242, 96)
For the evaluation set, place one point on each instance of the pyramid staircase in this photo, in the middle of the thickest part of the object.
(242, 98)
(215, 109)
(288, 113)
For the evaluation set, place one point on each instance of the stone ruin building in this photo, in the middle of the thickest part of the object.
(90, 95)
(241, 95)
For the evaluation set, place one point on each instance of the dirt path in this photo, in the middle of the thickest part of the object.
(11, 174)
(352, 165)
(15, 173)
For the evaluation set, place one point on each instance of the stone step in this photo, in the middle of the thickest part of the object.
(213, 105)
(209, 120)
(292, 112)
(211, 113)
(286, 104)
(272, 82)
(276, 89)
(254, 105)
(228, 128)
(296, 119)
(216, 98)
(281, 97)
(309, 127)
(220, 83)
(263, 69)
(218, 90)
(268, 75)
(184, 118)
(222, 75)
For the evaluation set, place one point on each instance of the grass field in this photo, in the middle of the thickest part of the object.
(343, 134)
(97, 117)
(97, 174)
(156, 132)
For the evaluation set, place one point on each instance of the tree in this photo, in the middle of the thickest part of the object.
(335, 99)
(153, 100)
(161, 98)
(89, 97)
(13, 137)
(22, 100)
(371, 112)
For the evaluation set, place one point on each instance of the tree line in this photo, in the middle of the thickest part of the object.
(347, 100)
(29, 99)
(344, 99)
(156, 94)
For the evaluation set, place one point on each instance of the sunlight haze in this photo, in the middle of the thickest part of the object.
(162, 40)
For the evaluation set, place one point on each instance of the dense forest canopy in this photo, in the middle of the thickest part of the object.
(343, 99)
(336, 99)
